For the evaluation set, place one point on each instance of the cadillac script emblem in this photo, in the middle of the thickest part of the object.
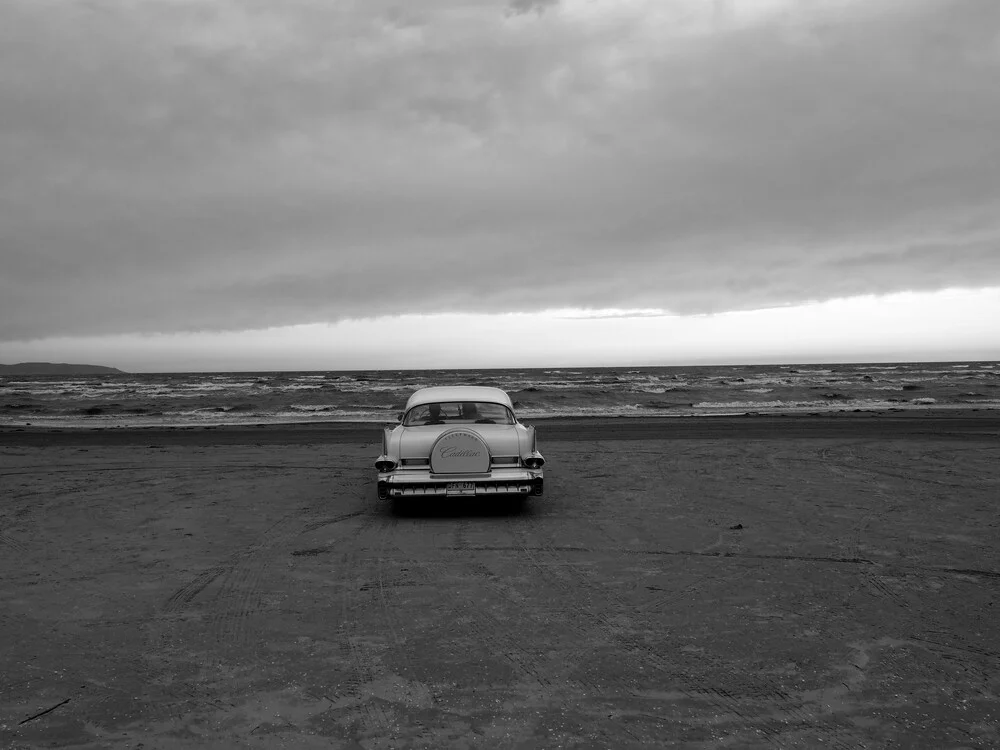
(460, 452)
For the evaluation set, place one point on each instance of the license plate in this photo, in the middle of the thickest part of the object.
(461, 488)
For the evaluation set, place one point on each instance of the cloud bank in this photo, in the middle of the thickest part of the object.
(184, 165)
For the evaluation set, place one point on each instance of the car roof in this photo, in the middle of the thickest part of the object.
(444, 394)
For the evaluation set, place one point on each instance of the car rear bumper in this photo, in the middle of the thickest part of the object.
(424, 484)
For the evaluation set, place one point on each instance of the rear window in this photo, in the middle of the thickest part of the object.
(455, 412)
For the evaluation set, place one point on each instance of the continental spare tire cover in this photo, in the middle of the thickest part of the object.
(460, 451)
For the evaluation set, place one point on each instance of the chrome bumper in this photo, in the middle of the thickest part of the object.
(423, 484)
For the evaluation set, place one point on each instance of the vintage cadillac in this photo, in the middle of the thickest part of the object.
(459, 441)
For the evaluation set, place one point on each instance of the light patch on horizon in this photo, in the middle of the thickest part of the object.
(240, 165)
(954, 324)
(609, 313)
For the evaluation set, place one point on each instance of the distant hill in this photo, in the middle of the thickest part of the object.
(50, 368)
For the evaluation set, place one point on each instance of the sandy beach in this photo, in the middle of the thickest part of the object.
(726, 582)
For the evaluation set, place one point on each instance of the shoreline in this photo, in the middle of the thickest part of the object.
(982, 424)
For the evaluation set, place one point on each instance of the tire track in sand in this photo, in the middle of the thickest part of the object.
(382, 658)
(359, 649)
(779, 711)
(546, 677)
(239, 600)
(228, 593)
(227, 608)
(926, 628)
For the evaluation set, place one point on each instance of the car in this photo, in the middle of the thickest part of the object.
(459, 441)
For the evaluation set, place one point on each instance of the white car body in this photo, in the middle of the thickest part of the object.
(472, 445)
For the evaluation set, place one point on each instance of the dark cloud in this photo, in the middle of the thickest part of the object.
(229, 165)
(519, 7)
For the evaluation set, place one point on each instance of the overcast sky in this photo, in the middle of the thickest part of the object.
(251, 172)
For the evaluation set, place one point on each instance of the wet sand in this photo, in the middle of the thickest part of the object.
(896, 423)
(751, 582)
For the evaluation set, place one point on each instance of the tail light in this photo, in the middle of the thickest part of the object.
(534, 462)
(384, 464)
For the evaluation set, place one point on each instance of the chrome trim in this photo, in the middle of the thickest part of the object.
(441, 490)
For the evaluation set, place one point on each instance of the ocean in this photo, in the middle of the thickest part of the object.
(189, 399)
